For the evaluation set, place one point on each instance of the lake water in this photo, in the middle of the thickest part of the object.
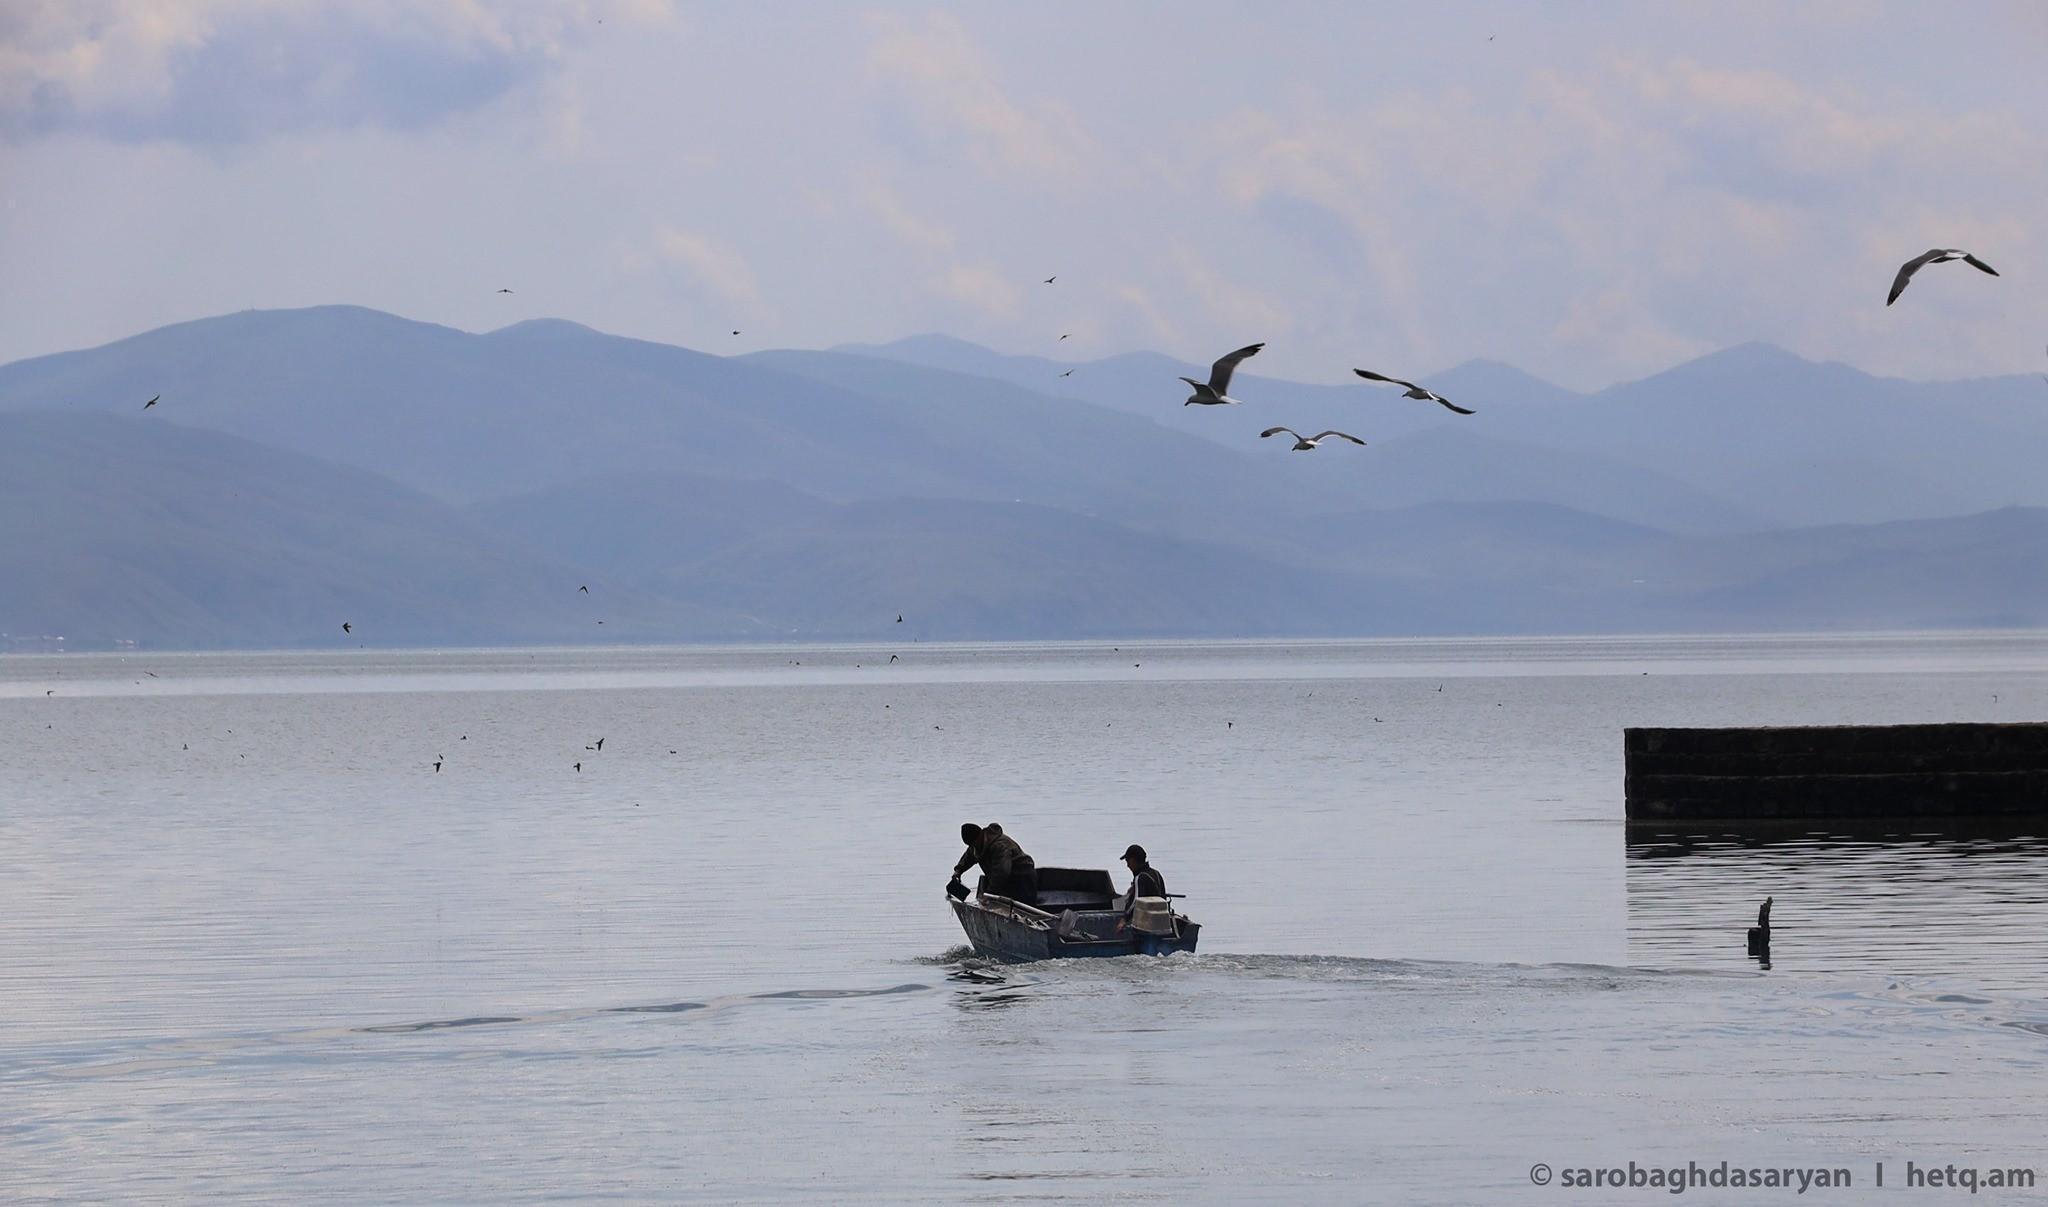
(253, 945)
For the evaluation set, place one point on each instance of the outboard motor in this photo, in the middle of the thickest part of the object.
(1152, 915)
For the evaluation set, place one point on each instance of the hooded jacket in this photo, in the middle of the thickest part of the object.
(998, 855)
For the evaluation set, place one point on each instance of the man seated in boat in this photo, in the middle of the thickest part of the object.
(1006, 871)
(1146, 880)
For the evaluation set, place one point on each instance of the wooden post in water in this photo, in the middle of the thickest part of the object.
(1760, 934)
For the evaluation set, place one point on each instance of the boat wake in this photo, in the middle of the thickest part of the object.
(160, 1055)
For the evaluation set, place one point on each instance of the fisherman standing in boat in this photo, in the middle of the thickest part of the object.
(1006, 871)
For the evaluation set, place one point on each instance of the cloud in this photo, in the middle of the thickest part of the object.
(946, 88)
(981, 287)
(718, 267)
(934, 246)
(1640, 210)
(229, 71)
(1589, 197)
(1139, 302)
(909, 229)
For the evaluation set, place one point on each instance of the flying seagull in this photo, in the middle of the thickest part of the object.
(600, 745)
(1933, 255)
(1217, 392)
(1414, 391)
(150, 403)
(899, 618)
(1068, 335)
(1068, 373)
(585, 590)
(1050, 280)
(345, 628)
(1303, 443)
(504, 291)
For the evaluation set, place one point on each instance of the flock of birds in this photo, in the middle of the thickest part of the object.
(1216, 391)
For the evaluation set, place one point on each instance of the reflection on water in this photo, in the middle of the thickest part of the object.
(1973, 908)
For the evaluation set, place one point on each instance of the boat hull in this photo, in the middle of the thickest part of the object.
(999, 931)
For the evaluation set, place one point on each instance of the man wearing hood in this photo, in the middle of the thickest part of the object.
(1006, 871)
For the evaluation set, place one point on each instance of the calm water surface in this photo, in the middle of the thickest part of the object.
(253, 945)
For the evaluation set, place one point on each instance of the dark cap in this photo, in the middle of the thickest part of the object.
(1134, 851)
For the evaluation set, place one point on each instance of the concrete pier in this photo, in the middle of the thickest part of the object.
(1924, 774)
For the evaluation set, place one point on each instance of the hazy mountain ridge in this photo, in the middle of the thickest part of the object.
(1760, 437)
(430, 485)
(129, 528)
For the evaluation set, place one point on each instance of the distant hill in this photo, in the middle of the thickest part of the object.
(1748, 437)
(639, 525)
(468, 417)
(135, 528)
(431, 485)
(1802, 443)
(960, 570)
(1145, 383)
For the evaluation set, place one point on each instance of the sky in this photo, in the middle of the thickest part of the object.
(1592, 192)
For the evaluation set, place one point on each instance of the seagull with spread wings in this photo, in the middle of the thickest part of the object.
(1217, 391)
(1933, 255)
(1414, 391)
(1303, 444)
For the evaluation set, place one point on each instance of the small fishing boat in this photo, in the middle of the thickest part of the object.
(1077, 915)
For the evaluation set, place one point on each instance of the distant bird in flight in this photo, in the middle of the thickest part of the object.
(585, 590)
(1217, 392)
(600, 745)
(1050, 280)
(1068, 373)
(899, 618)
(1068, 335)
(437, 766)
(504, 291)
(345, 628)
(1415, 391)
(150, 403)
(892, 658)
(735, 333)
(1933, 255)
(1303, 443)
(579, 767)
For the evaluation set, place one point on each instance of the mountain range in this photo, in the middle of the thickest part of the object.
(433, 486)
